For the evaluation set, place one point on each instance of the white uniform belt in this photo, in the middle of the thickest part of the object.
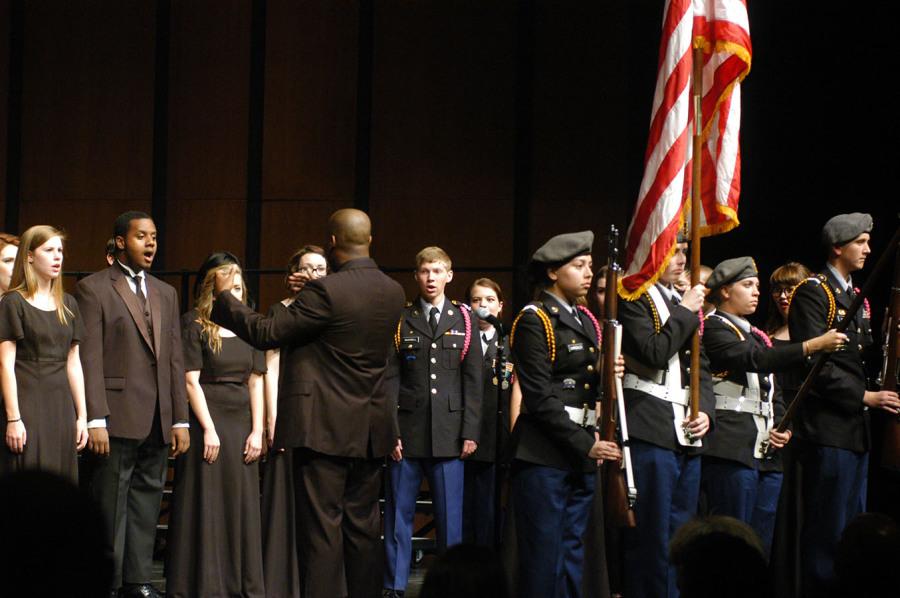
(679, 396)
(642, 371)
(743, 405)
(582, 416)
(727, 388)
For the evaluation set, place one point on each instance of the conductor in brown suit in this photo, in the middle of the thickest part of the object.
(136, 397)
(333, 409)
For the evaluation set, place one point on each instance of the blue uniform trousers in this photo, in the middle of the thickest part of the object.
(744, 493)
(478, 503)
(445, 480)
(834, 491)
(551, 515)
(668, 485)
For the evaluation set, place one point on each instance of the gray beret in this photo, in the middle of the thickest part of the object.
(843, 228)
(733, 270)
(682, 237)
(562, 248)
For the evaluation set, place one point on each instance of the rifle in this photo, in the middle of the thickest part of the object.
(842, 326)
(888, 376)
(618, 476)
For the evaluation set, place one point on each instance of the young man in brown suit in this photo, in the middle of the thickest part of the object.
(333, 408)
(136, 398)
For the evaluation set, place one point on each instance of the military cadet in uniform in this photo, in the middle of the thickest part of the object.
(831, 425)
(657, 327)
(739, 481)
(481, 467)
(438, 415)
(555, 446)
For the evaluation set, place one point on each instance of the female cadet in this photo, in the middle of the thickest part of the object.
(481, 468)
(739, 481)
(556, 345)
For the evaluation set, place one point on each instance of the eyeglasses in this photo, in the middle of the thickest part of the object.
(779, 291)
(309, 270)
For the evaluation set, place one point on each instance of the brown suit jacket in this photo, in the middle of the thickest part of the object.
(125, 367)
(337, 337)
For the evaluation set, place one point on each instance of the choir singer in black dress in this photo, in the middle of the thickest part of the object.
(215, 545)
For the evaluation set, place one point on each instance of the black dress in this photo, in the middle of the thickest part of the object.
(279, 531)
(214, 537)
(45, 398)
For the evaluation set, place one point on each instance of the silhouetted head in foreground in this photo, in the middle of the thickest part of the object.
(719, 556)
(53, 539)
(867, 558)
(466, 570)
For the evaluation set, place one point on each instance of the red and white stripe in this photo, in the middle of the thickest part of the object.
(722, 29)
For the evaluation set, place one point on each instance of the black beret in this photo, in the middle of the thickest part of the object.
(843, 228)
(562, 248)
(733, 270)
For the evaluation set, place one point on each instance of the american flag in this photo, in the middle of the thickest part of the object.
(721, 29)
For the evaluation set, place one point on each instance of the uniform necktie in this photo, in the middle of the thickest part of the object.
(485, 339)
(432, 319)
(577, 316)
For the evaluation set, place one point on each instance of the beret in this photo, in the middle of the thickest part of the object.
(843, 228)
(733, 270)
(562, 248)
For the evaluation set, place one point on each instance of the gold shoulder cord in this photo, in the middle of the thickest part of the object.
(548, 331)
(656, 325)
(397, 334)
(832, 308)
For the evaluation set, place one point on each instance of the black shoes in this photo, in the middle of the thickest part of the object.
(387, 593)
(141, 590)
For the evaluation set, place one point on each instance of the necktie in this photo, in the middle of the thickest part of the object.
(142, 299)
(432, 319)
(577, 316)
(139, 291)
(485, 339)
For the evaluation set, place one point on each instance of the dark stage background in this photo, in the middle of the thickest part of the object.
(480, 126)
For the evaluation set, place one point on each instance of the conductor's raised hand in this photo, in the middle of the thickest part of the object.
(225, 279)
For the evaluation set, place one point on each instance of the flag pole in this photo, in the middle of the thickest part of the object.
(697, 93)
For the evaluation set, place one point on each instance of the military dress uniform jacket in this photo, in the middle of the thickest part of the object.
(489, 445)
(833, 414)
(651, 419)
(439, 397)
(544, 434)
(730, 358)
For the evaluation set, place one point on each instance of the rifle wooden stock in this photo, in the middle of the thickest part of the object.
(890, 453)
(842, 326)
(617, 504)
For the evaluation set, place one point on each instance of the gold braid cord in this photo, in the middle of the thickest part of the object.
(548, 330)
(832, 308)
(397, 334)
(656, 325)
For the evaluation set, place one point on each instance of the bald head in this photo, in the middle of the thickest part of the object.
(351, 232)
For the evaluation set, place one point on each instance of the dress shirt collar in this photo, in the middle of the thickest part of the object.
(844, 282)
(426, 307)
